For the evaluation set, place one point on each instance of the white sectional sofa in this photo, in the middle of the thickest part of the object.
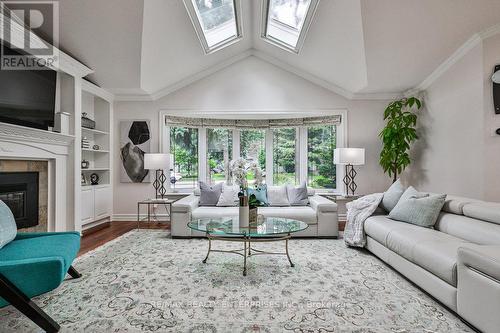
(457, 262)
(320, 215)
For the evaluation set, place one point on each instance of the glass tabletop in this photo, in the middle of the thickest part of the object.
(266, 226)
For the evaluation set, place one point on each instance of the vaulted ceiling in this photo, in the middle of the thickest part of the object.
(360, 46)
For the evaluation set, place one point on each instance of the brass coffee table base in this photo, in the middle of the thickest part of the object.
(248, 250)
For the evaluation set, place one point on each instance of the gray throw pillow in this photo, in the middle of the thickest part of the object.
(297, 196)
(8, 228)
(209, 194)
(417, 208)
(392, 196)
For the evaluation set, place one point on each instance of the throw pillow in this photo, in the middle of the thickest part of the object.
(276, 195)
(297, 196)
(417, 208)
(392, 196)
(209, 194)
(229, 196)
(8, 228)
(260, 193)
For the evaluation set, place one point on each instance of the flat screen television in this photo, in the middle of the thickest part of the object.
(27, 97)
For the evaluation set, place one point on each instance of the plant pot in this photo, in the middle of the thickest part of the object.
(252, 216)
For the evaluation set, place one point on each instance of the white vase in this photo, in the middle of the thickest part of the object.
(244, 217)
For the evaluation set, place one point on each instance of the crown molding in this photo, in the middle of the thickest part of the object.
(462, 51)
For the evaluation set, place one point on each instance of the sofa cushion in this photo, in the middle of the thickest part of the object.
(8, 227)
(432, 250)
(214, 212)
(229, 196)
(277, 196)
(392, 196)
(469, 229)
(486, 211)
(297, 195)
(260, 194)
(209, 194)
(455, 205)
(418, 208)
(302, 213)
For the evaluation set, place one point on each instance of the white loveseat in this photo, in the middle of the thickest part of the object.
(457, 262)
(320, 215)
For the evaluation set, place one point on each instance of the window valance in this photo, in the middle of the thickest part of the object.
(252, 123)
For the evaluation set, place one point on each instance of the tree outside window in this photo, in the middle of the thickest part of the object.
(253, 149)
(285, 154)
(219, 152)
(184, 148)
(321, 172)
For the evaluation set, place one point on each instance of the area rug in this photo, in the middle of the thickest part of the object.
(145, 281)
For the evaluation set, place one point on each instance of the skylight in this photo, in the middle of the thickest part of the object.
(285, 22)
(216, 22)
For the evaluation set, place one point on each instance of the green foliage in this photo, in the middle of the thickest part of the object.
(253, 202)
(398, 135)
(321, 143)
(322, 182)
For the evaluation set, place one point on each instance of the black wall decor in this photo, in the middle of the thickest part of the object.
(496, 93)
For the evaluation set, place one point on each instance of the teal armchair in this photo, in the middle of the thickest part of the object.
(33, 264)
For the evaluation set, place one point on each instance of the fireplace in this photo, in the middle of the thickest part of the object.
(19, 191)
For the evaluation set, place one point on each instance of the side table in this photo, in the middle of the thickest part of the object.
(167, 203)
(341, 202)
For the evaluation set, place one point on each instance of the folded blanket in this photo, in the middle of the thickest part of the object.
(357, 212)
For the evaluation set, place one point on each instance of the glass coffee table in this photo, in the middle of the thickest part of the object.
(267, 229)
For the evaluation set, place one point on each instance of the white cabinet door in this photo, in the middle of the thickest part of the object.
(87, 205)
(103, 202)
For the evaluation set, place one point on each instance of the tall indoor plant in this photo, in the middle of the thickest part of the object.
(398, 134)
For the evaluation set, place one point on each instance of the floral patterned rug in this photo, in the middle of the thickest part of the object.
(145, 281)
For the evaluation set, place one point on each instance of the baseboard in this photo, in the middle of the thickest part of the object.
(96, 228)
(133, 217)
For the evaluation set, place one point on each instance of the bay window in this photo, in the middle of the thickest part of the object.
(288, 151)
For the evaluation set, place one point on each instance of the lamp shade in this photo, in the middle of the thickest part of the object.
(156, 161)
(353, 156)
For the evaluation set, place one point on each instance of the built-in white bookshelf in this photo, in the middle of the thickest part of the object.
(96, 200)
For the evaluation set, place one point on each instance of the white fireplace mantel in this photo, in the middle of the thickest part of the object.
(22, 143)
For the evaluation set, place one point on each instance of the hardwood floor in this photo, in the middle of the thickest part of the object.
(99, 237)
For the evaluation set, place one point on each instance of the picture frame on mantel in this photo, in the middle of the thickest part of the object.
(135, 142)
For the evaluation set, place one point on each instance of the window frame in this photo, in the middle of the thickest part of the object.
(265, 4)
(341, 131)
(201, 34)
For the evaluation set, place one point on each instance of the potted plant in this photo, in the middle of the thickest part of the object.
(398, 134)
(239, 169)
(253, 204)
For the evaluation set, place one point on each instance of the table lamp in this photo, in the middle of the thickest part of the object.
(158, 162)
(349, 157)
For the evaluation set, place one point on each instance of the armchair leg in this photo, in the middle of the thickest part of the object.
(26, 306)
(74, 273)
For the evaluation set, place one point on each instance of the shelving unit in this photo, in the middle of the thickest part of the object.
(96, 200)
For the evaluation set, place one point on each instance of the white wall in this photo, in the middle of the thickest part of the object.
(256, 86)
(457, 152)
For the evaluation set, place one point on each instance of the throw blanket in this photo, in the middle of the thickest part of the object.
(357, 212)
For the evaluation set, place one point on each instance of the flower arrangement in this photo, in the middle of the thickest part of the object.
(239, 169)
